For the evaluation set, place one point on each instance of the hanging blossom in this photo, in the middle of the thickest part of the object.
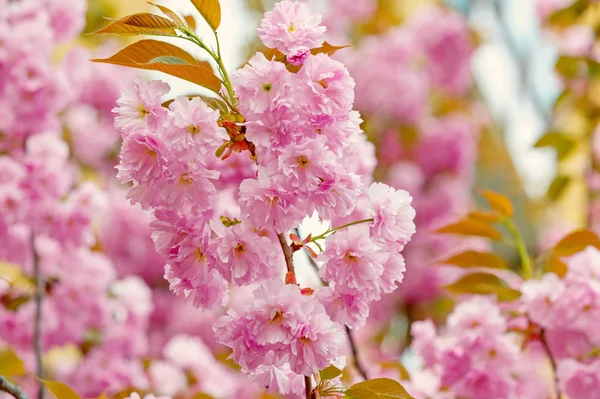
(290, 147)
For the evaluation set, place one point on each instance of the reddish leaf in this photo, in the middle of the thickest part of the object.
(471, 228)
(499, 203)
(475, 259)
(210, 10)
(141, 24)
(160, 56)
(171, 14)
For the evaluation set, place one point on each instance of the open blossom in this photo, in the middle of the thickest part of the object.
(579, 380)
(353, 262)
(140, 107)
(281, 326)
(291, 25)
(392, 214)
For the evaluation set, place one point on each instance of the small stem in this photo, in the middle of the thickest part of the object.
(308, 386)
(521, 248)
(333, 230)
(37, 332)
(552, 362)
(12, 389)
(218, 60)
(357, 363)
(288, 253)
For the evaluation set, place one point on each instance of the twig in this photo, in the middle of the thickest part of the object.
(308, 386)
(552, 362)
(9, 387)
(287, 253)
(357, 363)
(37, 332)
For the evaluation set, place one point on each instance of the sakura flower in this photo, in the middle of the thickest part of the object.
(579, 380)
(291, 25)
(140, 107)
(353, 262)
(392, 213)
(245, 256)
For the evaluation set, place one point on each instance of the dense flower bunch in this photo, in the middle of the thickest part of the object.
(405, 78)
(100, 323)
(290, 146)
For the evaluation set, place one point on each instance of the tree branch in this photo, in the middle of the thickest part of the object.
(37, 332)
(552, 362)
(12, 389)
(308, 387)
(357, 363)
(288, 253)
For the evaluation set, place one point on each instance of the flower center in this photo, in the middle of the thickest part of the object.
(303, 161)
(350, 257)
(186, 179)
(239, 249)
(199, 256)
(291, 28)
(306, 341)
(151, 154)
(143, 111)
(277, 317)
(193, 129)
(267, 87)
(323, 83)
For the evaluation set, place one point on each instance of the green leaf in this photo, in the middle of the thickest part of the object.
(171, 14)
(145, 53)
(484, 284)
(141, 24)
(167, 59)
(470, 227)
(60, 390)
(559, 141)
(10, 364)
(568, 16)
(378, 388)
(557, 187)
(499, 203)
(329, 373)
(475, 259)
(568, 66)
(210, 10)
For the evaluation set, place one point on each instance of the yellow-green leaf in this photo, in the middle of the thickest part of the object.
(201, 395)
(330, 372)
(568, 16)
(569, 66)
(172, 15)
(210, 10)
(60, 390)
(562, 143)
(475, 259)
(576, 241)
(402, 371)
(558, 187)
(10, 364)
(327, 48)
(161, 56)
(141, 24)
(14, 276)
(191, 21)
(378, 388)
(483, 217)
(471, 228)
(484, 284)
(499, 203)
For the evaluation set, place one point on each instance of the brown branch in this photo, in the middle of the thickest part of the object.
(544, 343)
(357, 363)
(308, 387)
(12, 389)
(37, 332)
(288, 253)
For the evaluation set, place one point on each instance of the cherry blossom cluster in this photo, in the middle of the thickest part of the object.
(100, 322)
(566, 310)
(226, 191)
(404, 77)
